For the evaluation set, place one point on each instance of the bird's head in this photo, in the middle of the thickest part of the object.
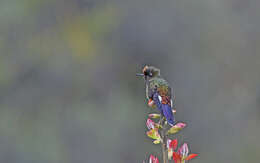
(149, 72)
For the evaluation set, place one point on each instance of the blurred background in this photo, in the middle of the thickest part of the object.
(69, 91)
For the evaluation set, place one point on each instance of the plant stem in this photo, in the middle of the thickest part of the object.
(164, 141)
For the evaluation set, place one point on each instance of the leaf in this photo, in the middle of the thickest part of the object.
(154, 115)
(191, 156)
(176, 157)
(173, 144)
(156, 125)
(173, 130)
(176, 128)
(157, 141)
(153, 133)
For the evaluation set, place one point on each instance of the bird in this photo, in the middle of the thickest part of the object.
(158, 92)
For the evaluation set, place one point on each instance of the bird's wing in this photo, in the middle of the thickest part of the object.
(165, 93)
(165, 109)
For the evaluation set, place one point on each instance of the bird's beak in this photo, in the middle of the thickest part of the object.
(145, 77)
(139, 74)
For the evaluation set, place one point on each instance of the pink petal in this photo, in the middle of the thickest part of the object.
(156, 160)
(184, 150)
(153, 159)
(150, 124)
(168, 143)
(180, 125)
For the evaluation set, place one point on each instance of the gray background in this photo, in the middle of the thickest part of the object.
(69, 91)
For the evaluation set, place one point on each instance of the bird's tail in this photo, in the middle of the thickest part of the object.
(167, 112)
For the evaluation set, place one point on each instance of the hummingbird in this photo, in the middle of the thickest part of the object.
(158, 92)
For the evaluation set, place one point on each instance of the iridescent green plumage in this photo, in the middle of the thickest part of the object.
(158, 92)
(161, 85)
(155, 82)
